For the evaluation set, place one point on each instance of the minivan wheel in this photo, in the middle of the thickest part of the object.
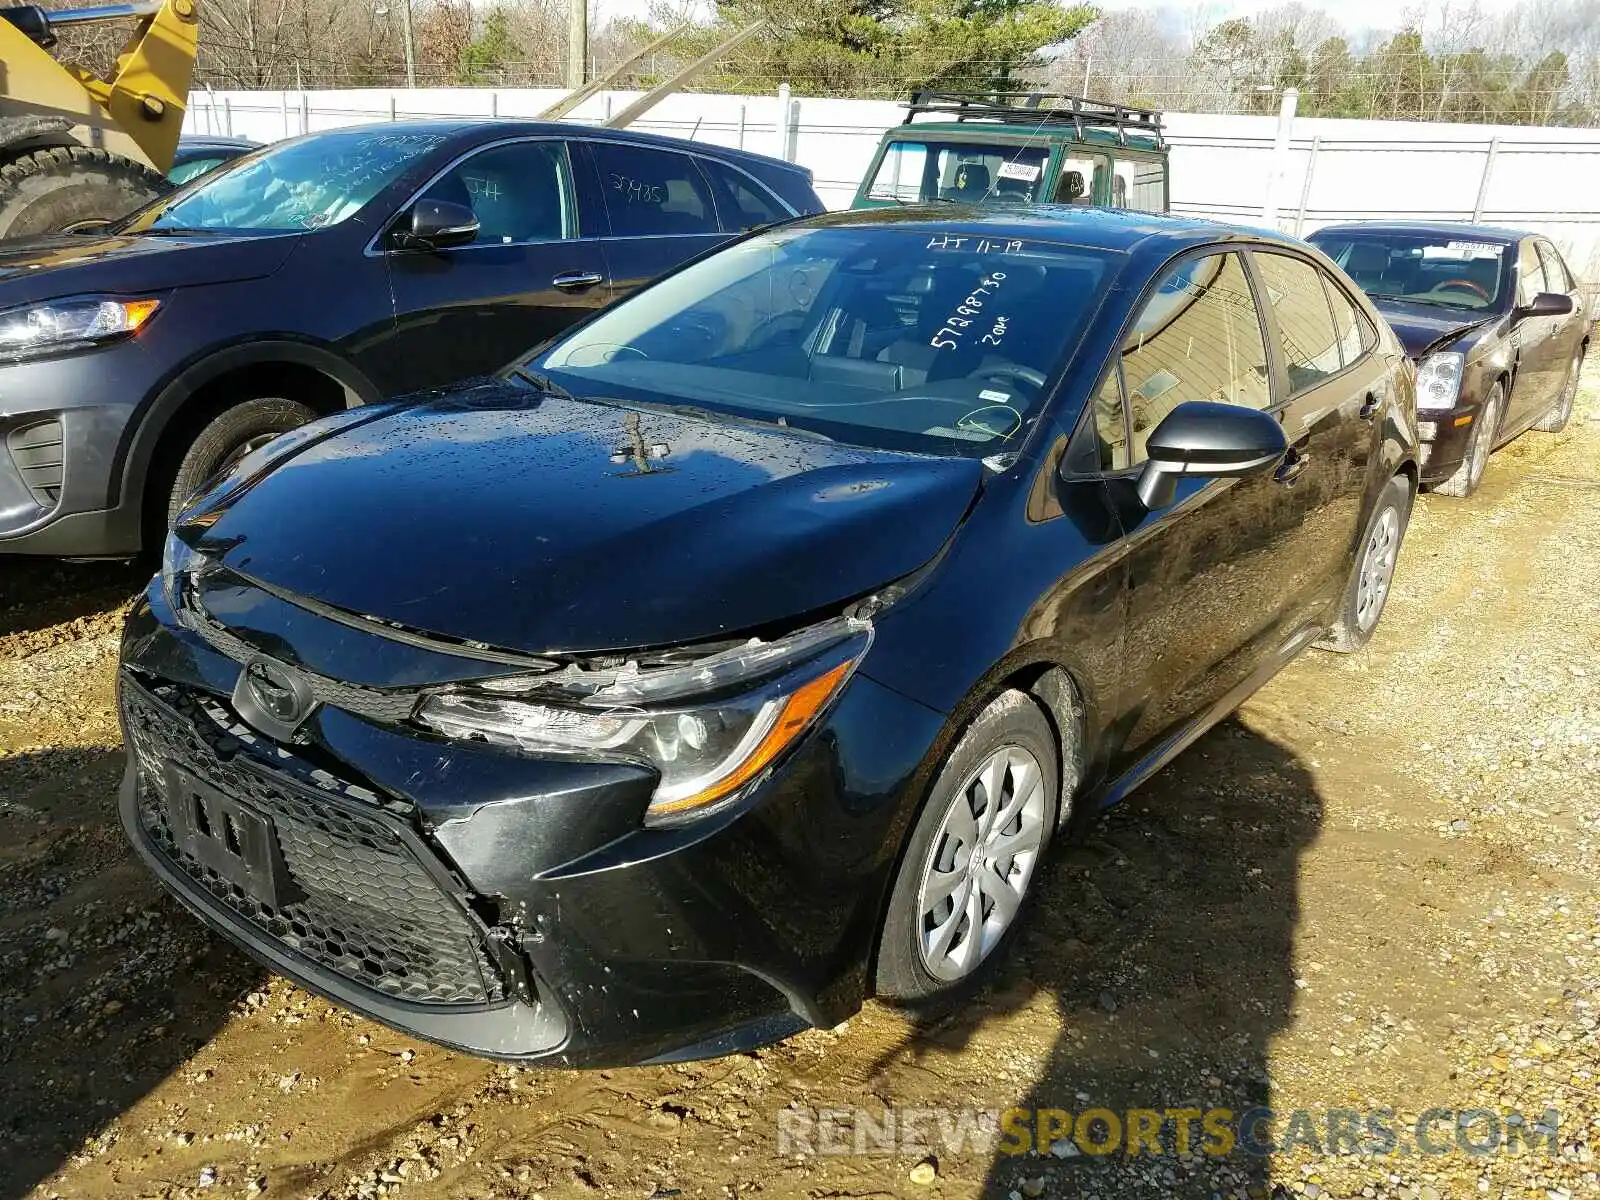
(1466, 478)
(227, 438)
(1556, 419)
(973, 856)
(1368, 589)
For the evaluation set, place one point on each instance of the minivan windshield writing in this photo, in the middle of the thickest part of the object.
(1437, 269)
(964, 172)
(307, 183)
(913, 338)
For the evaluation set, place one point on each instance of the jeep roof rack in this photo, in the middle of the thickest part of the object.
(1039, 108)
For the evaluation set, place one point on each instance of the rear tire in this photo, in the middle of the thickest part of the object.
(1368, 589)
(54, 189)
(227, 437)
(1466, 478)
(1011, 747)
(1556, 419)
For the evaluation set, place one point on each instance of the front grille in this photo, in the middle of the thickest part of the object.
(37, 451)
(363, 903)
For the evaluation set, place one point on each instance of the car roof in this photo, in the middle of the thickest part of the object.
(1482, 233)
(1100, 228)
(468, 131)
(195, 141)
(1041, 134)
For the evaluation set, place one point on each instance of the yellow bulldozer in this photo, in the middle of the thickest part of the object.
(77, 149)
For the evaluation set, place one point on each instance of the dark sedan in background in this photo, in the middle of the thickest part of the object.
(317, 274)
(199, 153)
(739, 655)
(1494, 321)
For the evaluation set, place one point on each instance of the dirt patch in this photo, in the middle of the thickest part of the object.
(1374, 888)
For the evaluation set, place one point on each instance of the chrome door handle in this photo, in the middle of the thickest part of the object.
(1293, 466)
(576, 281)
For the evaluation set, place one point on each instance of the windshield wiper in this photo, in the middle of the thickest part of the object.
(719, 416)
(542, 383)
(174, 231)
(1432, 303)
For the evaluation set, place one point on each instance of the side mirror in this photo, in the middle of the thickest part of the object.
(435, 225)
(1546, 304)
(1214, 440)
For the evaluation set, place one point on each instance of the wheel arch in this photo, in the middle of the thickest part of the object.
(311, 374)
(1055, 688)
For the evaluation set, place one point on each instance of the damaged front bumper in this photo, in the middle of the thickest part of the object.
(503, 904)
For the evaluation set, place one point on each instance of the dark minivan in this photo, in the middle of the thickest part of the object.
(321, 273)
(740, 654)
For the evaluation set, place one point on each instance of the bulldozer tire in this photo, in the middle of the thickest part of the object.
(56, 188)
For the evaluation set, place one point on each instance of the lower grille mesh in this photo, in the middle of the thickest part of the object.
(364, 905)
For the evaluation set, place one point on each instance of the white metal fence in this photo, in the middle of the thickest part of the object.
(1229, 168)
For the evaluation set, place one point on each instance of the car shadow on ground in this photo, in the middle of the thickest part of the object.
(1165, 945)
(106, 985)
(36, 593)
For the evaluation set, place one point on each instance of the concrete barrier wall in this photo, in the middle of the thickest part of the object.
(1223, 167)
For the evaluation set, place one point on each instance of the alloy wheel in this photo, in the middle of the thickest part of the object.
(1377, 568)
(981, 863)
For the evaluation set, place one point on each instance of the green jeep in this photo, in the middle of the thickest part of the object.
(1017, 148)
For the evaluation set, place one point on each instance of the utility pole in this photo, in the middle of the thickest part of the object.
(410, 45)
(577, 42)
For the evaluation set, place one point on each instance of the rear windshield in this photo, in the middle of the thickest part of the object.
(1442, 270)
(965, 172)
(912, 338)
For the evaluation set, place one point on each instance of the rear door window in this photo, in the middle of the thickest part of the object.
(1306, 331)
(1139, 184)
(1355, 336)
(653, 192)
(742, 203)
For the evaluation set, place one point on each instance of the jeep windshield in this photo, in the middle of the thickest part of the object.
(1439, 269)
(921, 172)
(911, 337)
(308, 183)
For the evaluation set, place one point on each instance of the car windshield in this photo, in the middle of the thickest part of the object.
(914, 338)
(1447, 270)
(307, 183)
(966, 172)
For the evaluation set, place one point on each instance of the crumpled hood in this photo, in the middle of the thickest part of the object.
(1421, 326)
(48, 268)
(492, 516)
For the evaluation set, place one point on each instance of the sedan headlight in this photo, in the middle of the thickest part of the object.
(1439, 380)
(58, 325)
(708, 727)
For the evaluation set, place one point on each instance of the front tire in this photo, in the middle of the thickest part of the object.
(1368, 589)
(973, 856)
(1466, 478)
(55, 189)
(1556, 419)
(225, 439)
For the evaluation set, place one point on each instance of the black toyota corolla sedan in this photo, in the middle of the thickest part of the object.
(1494, 321)
(739, 654)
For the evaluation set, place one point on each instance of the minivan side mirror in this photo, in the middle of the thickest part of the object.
(435, 225)
(1545, 304)
(1204, 438)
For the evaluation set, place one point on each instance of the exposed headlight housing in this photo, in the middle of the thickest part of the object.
(178, 558)
(1439, 380)
(708, 727)
(56, 326)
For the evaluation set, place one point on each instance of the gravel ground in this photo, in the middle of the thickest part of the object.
(1373, 889)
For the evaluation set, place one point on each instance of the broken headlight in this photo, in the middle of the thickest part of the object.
(707, 726)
